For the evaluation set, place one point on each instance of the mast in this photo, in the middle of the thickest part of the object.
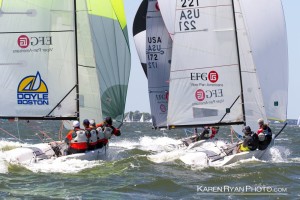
(239, 62)
(76, 61)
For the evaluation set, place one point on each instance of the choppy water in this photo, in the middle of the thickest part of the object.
(134, 169)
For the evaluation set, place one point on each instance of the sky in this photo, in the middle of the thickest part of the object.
(137, 96)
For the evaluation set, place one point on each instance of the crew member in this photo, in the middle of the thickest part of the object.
(264, 135)
(250, 142)
(76, 139)
(93, 140)
(107, 130)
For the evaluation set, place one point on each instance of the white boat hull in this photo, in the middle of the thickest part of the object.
(220, 156)
(44, 151)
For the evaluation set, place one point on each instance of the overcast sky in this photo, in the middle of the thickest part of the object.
(137, 97)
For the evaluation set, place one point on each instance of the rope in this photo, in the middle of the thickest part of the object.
(10, 134)
(18, 129)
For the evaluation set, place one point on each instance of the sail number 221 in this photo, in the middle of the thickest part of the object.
(189, 3)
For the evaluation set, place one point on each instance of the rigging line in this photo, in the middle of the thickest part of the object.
(229, 108)
(18, 129)
(61, 100)
(11, 134)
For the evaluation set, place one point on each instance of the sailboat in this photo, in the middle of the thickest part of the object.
(157, 48)
(219, 63)
(298, 122)
(142, 118)
(127, 118)
(67, 60)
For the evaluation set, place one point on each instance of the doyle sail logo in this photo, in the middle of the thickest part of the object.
(32, 90)
(23, 41)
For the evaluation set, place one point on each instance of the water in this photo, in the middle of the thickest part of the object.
(140, 165)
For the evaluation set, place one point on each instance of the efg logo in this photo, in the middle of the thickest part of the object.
(212, 76)
(32, 90)
(23, 41)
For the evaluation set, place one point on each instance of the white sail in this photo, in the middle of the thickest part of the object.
(127, 118)
(298, 122)
(167, 9)
(159, 52)
(205, 85)
(142, 118)
(37, 59)
(268, 39)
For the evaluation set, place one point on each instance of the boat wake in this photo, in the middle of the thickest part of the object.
(54, 165)
(197, 158)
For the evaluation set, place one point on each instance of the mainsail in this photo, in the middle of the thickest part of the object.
(38, 59)
(139, 33)
(112, 54)
(159, 52)
(205, 80)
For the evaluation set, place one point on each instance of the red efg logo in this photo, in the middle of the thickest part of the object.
(163, 108)
(213, 76)
(157, 6)
(200, 95)
(23, 41)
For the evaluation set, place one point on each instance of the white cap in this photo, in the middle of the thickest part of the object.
(92, 121)
(260, 121)
(261, 137)
(76, 124)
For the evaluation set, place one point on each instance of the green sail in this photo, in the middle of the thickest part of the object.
(112, 54)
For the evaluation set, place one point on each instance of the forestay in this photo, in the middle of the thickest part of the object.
(205, 84)
(159, 51)
(38, 59)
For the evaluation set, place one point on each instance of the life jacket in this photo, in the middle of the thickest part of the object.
(214, 131)
(107, 131)
(79, 140)
(93, 137)
(101, 137)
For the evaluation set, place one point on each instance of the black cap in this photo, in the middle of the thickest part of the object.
(247, 129)
(108, 120)
(86, 122)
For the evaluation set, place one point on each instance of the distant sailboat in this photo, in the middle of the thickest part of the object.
(298, 122)
(127, 118)
(142, 118)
